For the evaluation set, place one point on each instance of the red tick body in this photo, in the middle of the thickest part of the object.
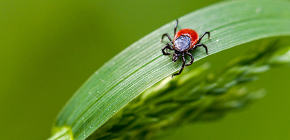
(190, 33)
(184, 40)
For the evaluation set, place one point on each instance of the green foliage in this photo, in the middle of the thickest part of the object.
(176, 101)
(195, 96)
(64, 133)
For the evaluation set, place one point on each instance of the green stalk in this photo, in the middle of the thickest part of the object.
(142, 65)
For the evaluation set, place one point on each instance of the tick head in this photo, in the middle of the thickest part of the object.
(176, 56)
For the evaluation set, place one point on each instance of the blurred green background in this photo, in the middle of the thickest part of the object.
(49, 48)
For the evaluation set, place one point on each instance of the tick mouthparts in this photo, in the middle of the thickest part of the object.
(174, 58)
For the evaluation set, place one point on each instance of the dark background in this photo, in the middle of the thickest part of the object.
(48, 49)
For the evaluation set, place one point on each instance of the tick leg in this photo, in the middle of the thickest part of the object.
(205, 47)
(191, 61)
(166, 47)
(176, 24)
(193, 48)
(183, 64)
(203, 36)
(167, 36)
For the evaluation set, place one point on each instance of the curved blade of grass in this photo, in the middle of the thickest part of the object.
(142, 64)
(197, 96)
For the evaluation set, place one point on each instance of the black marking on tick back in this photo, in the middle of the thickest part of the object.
(182, 43)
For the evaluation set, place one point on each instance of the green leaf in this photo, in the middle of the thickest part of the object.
(142, 64)
(196, 96)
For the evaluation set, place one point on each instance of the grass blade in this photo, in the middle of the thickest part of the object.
(142, 64)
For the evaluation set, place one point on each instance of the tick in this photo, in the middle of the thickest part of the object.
(184, 40)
